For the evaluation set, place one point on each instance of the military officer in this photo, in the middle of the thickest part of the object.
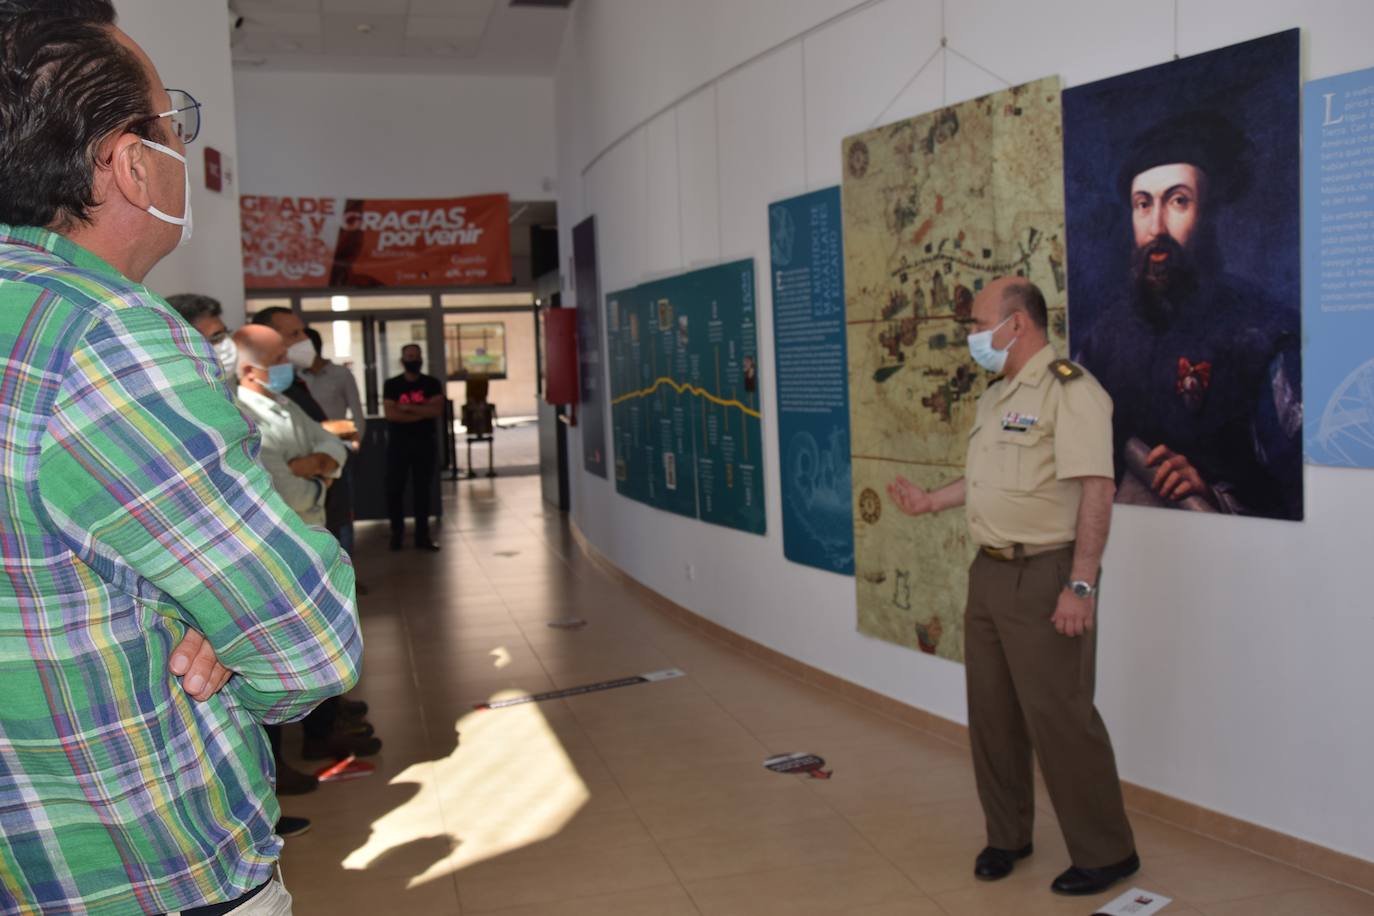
(1038, 490)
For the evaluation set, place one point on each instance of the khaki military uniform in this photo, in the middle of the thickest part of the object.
(1028, 686)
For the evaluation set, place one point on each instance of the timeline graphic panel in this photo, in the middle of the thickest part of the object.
(685, 404)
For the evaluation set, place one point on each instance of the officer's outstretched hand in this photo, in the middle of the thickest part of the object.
(910, 498)
(1175, 477)
(1073, 616)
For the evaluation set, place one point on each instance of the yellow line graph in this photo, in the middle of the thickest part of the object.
(686, 389)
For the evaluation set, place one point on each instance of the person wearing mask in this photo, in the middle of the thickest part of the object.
(305, 460)
(303, 457)
(412, 402)
(336, 391)
(205, 315)
(1038, 489)
(299, 353)
(134, 776)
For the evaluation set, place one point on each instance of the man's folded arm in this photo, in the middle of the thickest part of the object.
(147, 463)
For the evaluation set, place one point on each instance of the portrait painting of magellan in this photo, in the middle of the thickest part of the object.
(1182, 190)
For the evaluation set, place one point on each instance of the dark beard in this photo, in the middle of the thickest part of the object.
(1161, 287)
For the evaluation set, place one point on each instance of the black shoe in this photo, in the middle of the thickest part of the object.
(357, 727)
(994, 864)
(292, 826)
(291, 781)
(354, 709)
(1079, 882)
(339, 745)
(426, 544)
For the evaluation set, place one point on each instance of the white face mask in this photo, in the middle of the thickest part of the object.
(984, 353)
(228, 356)
(183, 221)
(301, 354)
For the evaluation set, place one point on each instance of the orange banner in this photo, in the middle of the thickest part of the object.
(309, 242)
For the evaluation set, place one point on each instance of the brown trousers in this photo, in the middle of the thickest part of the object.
(1030, 688)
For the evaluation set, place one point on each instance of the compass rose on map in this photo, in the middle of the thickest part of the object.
(1346, 429)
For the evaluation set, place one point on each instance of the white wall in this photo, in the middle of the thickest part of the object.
(188, 40)
(1232, 652)
(368, 135)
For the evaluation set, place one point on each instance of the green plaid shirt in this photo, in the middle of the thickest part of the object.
(131, 507)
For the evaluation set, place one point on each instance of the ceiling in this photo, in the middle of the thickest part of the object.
(398, 36)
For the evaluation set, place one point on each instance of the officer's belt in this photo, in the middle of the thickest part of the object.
(1022, 551)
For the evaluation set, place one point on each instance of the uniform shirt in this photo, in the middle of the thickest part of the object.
(287, 434)
(134, 507)
(1032, 435)
(336, 391)
(405, 391)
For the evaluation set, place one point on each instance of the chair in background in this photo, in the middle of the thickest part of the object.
(479, 422)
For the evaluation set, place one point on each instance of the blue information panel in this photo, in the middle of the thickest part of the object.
(1338, 269)
(685, 406)
(813, 380)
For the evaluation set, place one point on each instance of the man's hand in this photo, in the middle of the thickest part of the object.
(1175, 476)
(344, 429)
(195, 662)
(910, 498)
(314, 465)
(1073, 616)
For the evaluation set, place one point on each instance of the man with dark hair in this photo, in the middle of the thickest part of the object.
(204, 314)
(136, 517)
(411, 401)
(1038, 488)
(298, 352)
(1203, 365)
(1027, 298)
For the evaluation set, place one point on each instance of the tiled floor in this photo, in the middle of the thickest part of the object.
(651, 800)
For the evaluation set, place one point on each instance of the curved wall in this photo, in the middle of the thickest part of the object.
(1233, 664)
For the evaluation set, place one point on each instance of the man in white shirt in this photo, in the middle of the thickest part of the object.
(303, 458)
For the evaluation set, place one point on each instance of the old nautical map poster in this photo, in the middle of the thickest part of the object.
(934, 208)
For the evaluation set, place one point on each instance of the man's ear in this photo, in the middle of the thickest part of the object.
(127, 162)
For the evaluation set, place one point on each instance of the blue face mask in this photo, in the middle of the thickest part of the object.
(280, 377)
(984, 353)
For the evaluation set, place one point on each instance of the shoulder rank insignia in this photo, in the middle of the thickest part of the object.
(1065, 370)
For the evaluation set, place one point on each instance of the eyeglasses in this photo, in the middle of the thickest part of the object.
(185, 115)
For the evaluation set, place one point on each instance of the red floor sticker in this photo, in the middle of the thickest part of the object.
(348, 768)
(799, 763)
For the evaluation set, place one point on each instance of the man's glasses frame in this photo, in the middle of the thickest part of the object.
(185, 115)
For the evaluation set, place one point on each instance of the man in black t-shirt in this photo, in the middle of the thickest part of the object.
(411, 402)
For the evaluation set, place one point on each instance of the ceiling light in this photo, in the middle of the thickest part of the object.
(339, 303)
(364, 27)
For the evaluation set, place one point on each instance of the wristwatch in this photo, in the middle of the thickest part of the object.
(1082, 589)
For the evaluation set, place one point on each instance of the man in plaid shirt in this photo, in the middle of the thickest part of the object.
(134, 516)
